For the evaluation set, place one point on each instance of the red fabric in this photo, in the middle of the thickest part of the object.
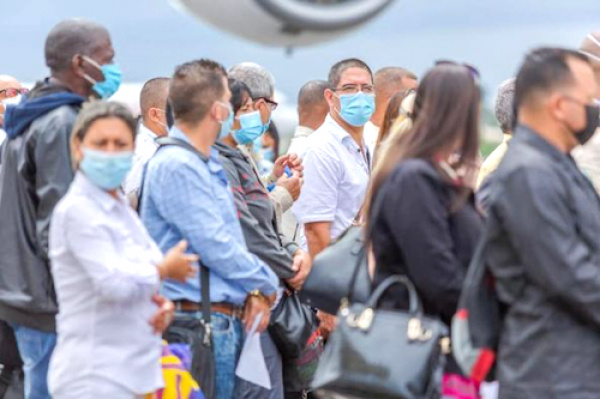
(484, 363)
(462, 314)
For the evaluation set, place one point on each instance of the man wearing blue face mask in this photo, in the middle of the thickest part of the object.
(36, 172)
(337, 161)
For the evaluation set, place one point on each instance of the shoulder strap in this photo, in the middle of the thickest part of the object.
(204, 273)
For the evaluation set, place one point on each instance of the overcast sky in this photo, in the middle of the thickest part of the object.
(150, 37)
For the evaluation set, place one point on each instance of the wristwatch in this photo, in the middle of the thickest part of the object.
(258, 294)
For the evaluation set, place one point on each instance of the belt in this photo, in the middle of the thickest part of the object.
(225, 308)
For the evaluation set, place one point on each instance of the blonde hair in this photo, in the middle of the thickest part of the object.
(402, 124)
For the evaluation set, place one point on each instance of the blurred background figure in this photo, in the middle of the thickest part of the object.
(153, 103)
(588, 156)
(505, 114)
(393, 111)
(10, 89)
(421, 213)
(266, 148)
(312, 110)
(388, 81)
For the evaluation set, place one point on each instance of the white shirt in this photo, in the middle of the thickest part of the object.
(336, 176)
(289, 225)
(371, 133)
(104, 269)
(145, 147)
(2, 136)
(299, 142)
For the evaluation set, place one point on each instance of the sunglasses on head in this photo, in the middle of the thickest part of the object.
(13, 92)
(472, 70)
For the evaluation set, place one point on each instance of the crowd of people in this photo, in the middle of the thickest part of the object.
(117, 231)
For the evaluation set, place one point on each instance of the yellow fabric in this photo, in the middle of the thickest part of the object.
(492, 162)
(178, 381)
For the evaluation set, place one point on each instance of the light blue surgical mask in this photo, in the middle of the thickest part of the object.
(106, 170)
(357, 109)
(112, 79)
(268, 154)
(227, 123)
(251, 128)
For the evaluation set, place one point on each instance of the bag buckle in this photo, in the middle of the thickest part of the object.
(416, 332)
(362, 321)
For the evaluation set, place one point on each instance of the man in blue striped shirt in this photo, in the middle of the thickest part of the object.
(186, 196)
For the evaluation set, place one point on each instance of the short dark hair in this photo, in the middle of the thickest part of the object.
(544, 70)
(195, 86)
(240, 92)
(154, 95)
(388, 75)
(69, 38)
(336, 71)
(312, 93)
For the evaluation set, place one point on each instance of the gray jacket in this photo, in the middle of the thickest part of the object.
(256, 213)
(544, 250)
(36, 172)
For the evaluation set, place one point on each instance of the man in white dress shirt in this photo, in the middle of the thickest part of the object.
(388, 81)
(337, 164)
(312, 111)
(153, 103)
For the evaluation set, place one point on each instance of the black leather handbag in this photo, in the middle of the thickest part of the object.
(291, 325)
(196, 333)
(384, 354)
(339, 269)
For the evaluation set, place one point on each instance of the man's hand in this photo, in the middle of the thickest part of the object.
(253, 308)
(164, 315)
(178, 265)
(302, 265)
(327, 324)
(293, 184)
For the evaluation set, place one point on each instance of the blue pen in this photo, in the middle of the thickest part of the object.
(288, 173)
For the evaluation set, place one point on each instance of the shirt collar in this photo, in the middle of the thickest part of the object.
(142, 129)
(533, 138)
(103, 198)
(213, 162)
(338, 131)
(303, 131)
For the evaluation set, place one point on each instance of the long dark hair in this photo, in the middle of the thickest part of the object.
(447, 108)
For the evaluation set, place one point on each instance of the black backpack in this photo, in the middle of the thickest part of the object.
(477, 323)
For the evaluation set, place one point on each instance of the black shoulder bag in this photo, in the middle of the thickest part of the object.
(188, 329)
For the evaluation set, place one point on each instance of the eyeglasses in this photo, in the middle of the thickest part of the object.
(270, 103)
(353, 89)
(13, 92)
(472, 70)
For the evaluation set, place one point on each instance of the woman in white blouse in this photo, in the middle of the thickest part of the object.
(106, 271)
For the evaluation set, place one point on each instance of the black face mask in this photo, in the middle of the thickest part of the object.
(592, 120)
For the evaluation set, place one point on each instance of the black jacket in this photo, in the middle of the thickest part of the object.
(256, 213)
(36, 172)
(416, 234)
(544, 251)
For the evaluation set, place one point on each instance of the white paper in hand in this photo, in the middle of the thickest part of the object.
(251, 366)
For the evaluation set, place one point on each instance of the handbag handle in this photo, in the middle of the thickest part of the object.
(414, 303)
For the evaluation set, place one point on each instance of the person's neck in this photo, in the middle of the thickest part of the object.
(230, 141)
(77, 86)
(197, 135)
(377, 118)
(549, 131)
(155, 128)
(113, 193)
(356, 132)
